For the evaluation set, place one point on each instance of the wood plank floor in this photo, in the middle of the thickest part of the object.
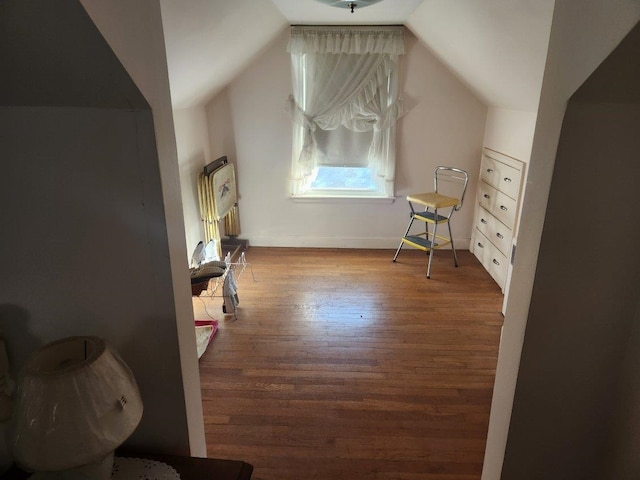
(343, 365)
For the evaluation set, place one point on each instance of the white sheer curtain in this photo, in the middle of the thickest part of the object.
(344, 77)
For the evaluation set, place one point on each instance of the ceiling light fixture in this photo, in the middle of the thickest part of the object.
(348, 3)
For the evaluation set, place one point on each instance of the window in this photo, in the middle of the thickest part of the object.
(345, 105)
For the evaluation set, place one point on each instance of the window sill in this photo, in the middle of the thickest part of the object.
(339, 199)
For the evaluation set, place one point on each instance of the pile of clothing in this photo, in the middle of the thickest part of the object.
(205, 265)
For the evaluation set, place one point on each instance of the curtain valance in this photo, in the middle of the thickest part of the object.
(350, 40)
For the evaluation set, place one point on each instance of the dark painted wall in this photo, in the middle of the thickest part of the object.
(585, 299)
(83, 238)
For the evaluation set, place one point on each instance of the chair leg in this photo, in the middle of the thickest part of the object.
(426, 234)
(455, 256)
(401, 242)
(398, 250)
(433, 243)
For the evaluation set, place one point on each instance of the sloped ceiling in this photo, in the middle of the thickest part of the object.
(496, 47)
(210, 41)
(55, 56)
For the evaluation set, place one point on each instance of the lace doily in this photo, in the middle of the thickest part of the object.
(142, 469)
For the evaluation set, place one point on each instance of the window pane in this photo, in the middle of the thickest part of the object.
(351, 178)
(343, 147)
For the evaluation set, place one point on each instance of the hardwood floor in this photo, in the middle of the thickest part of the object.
(342, 365)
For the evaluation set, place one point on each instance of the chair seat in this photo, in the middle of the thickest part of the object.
(433, 200)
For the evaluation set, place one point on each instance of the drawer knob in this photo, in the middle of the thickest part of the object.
(496, 261)
(482, 220)
(502, 207)
(489, 170)
(500, 236)
(486, 195)
(507, 179)
(480, 245)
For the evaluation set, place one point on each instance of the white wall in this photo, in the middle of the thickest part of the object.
(444, 124)
(192, 139)
(583, 33)
(134, 32)
(510, 132)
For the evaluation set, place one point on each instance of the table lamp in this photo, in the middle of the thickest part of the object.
(77, 401)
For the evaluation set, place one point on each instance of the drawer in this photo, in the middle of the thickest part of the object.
(500, 175)
(498, 204)
(491, 258)
(497, 232)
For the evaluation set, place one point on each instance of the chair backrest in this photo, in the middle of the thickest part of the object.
(452, 182)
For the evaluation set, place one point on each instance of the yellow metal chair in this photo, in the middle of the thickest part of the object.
(450, 186)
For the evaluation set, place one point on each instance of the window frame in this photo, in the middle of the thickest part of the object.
(384, 186)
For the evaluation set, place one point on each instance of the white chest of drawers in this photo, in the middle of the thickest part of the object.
(497, 212)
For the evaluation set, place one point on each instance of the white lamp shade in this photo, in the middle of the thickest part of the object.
(77, 401)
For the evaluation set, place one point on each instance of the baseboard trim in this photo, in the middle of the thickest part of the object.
(336, 242)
